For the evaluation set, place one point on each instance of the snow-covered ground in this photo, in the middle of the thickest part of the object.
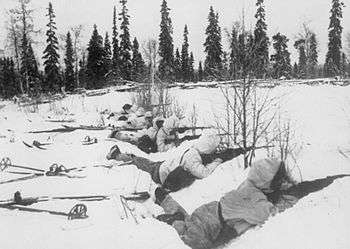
(321, 119)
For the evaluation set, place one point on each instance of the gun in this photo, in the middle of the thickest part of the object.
(157, 105)
(128, 129)
(183, 129)
(181, 140)
(231, 153)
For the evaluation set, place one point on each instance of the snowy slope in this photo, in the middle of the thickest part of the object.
(321, 119)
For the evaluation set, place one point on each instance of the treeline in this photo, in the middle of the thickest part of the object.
(109, 60)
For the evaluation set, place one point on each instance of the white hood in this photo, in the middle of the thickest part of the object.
(207, 142)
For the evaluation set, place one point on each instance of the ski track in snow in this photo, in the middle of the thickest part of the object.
(321, 220)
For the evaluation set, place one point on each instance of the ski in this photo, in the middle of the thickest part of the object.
(26, 144)
(79, 211)
(27, 201)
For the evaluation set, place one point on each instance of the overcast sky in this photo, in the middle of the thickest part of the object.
(285, 16)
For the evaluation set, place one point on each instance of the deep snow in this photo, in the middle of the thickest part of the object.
(321, 119)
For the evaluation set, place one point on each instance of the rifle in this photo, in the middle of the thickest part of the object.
(181, 140)
(231, 153)
(128, 129)
(183, 129)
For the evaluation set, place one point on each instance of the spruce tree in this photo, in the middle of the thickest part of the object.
(295, 70)
(191, 68)
(8, 78)
(115, 44)
(95, 68)
(69, 64)
(107, 60)
(125, 44)
(234, 53)
(2, 78)
(343, 65)
(25, 60)
(200, 71)
(51, 64)
(333, 57)
(244, 57)
(185, 57)
(213, 47)
(21, 28)
(312, 60)
(261, 41)
(302, 63)
(281, 59)
(166, 46)
(177, 66)
(29, 66)
(138, 65)
(82, 74)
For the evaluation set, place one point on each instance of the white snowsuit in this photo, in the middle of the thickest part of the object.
(164, 136)
(187, 165)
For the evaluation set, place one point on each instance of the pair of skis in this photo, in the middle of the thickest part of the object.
(36, 144)
(78, 211)
(54, 170)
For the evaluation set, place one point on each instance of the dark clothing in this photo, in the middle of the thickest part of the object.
(148, 166)
(178, 179)
(147, 145)
(204, 229)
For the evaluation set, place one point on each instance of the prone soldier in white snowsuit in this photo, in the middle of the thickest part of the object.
(237, 211)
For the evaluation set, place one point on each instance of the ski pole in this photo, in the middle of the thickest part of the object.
(6, 162)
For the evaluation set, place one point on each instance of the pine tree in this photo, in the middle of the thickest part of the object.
(138, 65)
(82, 74)
(2, 78)
(200, 71)
(244, 63)
(177, 66)
(107, 55)
(166, 46)
(125, 44)
(312, 59)
(51, 56)
(29, 65)
(185, 57)
(261, 41)
(233, 53)
(213, 47)
(281, 59)
(20, 28)
(95, 67)
(8, 78)
(333, 57)
(191, 68)
(302, 64)
(25, 60)
(295, 71)
(343, 65)
(115, 44)
(69, 64)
